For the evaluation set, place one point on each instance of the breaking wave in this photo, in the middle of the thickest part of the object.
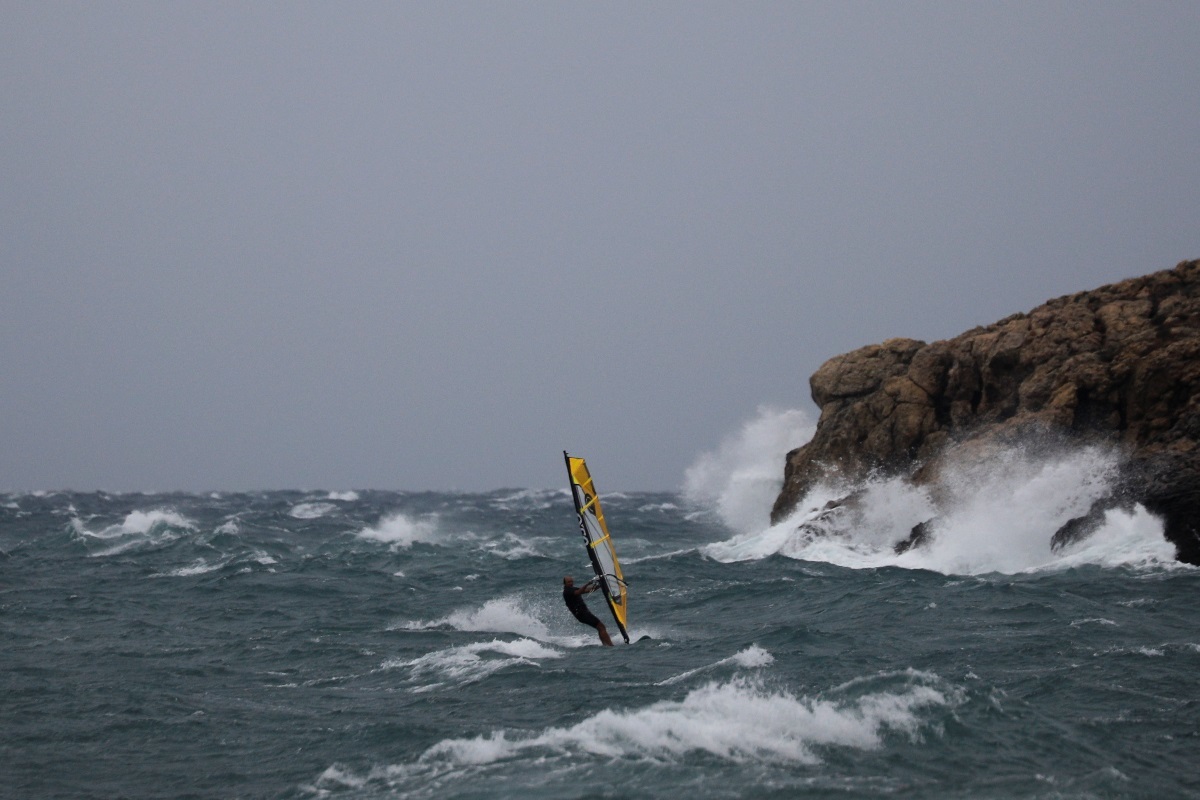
(997, 516)
(510, 614)
(737, 721)
(750, 658)
(470, 663)
(138, 529)
(744, 475)
(401, 530)
(311, 510)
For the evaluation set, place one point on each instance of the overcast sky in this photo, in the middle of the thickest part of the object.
(430, 246)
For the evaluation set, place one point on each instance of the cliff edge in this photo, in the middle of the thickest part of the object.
(1120, 363)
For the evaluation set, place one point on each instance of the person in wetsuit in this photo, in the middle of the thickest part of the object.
(574, 600)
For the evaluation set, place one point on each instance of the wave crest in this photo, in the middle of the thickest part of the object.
(401, 530)
(739, 721)
(742, 477)
(993, 515)
(139, 529)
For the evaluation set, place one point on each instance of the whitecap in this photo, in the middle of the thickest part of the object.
(311, 510)
(501, 615)
(510, 614)
(739, 721)
(340, 777)
(145, 521)
(139, 528)
(472, 662)
(511, 547)
(998, 516)
(752, 657)
(743, 476)
(197, 567)
(401, 530)
(530, 499)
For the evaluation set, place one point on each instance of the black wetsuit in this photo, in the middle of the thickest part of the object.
(579, 608)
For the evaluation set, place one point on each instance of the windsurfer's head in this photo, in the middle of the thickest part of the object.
(568, 580)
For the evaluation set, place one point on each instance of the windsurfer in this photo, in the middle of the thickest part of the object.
(574, 600)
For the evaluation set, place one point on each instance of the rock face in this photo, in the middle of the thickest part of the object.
(1120, 363)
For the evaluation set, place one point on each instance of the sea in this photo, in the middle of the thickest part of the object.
(354, 643)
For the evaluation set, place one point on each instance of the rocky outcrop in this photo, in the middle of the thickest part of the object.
(1120, 363)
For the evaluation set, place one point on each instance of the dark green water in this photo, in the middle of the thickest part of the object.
(296, 645)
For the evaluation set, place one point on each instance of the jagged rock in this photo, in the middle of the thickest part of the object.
(1120, 363)
(916, 538)
(1079, 528)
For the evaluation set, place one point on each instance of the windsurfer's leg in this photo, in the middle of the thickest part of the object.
(604, 634)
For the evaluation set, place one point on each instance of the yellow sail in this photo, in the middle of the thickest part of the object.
(599, 544)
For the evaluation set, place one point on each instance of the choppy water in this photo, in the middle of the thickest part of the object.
(373, 644)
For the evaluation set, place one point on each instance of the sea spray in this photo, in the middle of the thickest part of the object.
(752, 657)
(738, 720)
(311, 510)
(744, 475)
(471, 662)
(402, 530)
(993, 515)
(139, 529)
(503, 615)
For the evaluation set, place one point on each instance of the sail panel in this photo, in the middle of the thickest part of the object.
(599, 544)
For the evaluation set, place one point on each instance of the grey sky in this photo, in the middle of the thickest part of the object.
(429, 246)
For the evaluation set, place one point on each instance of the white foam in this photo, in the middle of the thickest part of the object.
(530, 499)
(509, 614)
(511, 547)
(1150, 652)
(341, 777)
(348, 497)
(311, 510)
(997, 516)
(145, 521)
(156, 526)
(198, 567)
(400, 530)
(467, 664)
(739, 721)
(745, 473)
(752, 657)
(1126, 538)
(504, 615)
